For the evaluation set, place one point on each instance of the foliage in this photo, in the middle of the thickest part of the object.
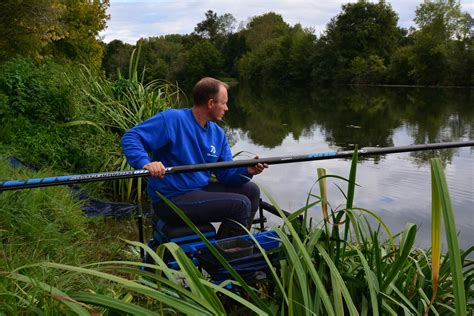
(361, 30)
(82, 22)
(28, 26)
(215, 28)
(444, 35)
(345, 264)
(367, 70)
(159, 56)
(362, 44)
(203, 60)
(36, 100)
(65, 29)
(116, 58)
(278, 54)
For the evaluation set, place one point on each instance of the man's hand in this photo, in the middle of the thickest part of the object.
(258, 168)
(156, 169)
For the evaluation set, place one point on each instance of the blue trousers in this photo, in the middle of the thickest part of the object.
(216, 202)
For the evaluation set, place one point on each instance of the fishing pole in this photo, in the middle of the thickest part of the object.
(114, 175)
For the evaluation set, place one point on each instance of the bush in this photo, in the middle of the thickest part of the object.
(35, 101)
(39, 92)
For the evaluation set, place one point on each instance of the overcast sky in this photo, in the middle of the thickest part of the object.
(131, 19)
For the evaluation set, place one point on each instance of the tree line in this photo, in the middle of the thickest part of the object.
(363, 44)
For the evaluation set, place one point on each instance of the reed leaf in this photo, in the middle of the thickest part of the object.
(435, 239)
(440, 188)
(372, 283)
(112, 303)
(406, 243)
(74, 306)
(352, 179)
(322, 188)
(340, 282)
(178, 304)
(321, 291)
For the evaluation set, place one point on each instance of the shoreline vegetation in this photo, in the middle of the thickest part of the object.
(66, 98)
(343, 263)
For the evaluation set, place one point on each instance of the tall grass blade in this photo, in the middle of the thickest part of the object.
(435, 238)
(194, 278)
(340, 282)
(322, 188)
(372, 283)
(175, 302)
(406, 244)
(352, 179)
(54, 292)
(441, 190)
(349, 203)
(112, 303)
(321, 291)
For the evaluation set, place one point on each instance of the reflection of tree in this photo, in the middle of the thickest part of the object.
(348, 116)
(439, 116)
(268, 118)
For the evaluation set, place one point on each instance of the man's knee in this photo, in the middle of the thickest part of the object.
(245, 209)
(253, 190)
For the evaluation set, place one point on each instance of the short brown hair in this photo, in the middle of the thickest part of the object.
(206, 89)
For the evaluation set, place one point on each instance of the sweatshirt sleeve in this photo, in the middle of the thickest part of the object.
(234, 176)
(144, 138)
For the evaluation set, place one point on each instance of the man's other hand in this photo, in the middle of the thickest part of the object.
(156, 168)
(258, 168)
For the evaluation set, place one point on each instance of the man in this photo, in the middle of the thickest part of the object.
(191, 136)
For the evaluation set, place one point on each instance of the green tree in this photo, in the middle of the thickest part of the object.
(400, 66)
(158, 55)
(442, 44)
(361, 30)
(203, 60)
(367, 70)
(82, 21)
(264, 28)
(300, 45)
(234, 48)
(265, 62)
(216, 28)
(27, 26)
(66, 29)
(116, 58)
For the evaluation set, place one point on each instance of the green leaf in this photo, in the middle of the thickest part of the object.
(441, 190)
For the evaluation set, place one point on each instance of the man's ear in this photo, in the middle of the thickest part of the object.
(210, 103)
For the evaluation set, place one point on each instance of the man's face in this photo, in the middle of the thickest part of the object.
(219, 105)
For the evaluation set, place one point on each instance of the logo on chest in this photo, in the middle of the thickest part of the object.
(212, 151)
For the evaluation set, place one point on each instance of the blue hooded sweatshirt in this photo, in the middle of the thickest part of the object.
(175, 138)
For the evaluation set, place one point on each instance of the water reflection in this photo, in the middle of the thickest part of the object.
(396, 186)
(347, 116)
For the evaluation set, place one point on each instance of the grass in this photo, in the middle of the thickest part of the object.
(47, 224)
(343, 265)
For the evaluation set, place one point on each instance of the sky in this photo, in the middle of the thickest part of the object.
(131, 19)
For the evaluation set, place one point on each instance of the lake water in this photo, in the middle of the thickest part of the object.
(396, 186)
